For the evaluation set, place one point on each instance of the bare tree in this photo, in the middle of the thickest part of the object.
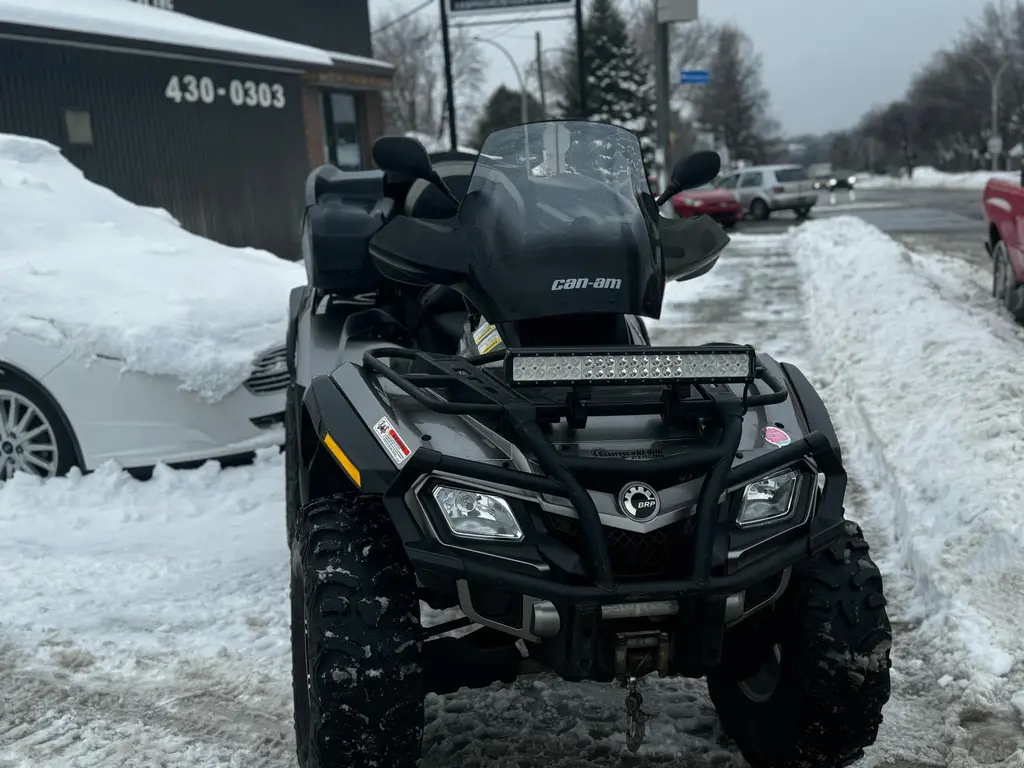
(735, 104)
(416, 101)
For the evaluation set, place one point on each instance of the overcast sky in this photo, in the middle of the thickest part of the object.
(826, 62)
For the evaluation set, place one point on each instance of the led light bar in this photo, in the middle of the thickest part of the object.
(630, 365)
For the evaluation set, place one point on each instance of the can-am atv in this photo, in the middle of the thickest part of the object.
(478, 420)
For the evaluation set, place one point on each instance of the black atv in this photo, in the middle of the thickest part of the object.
(478, 419)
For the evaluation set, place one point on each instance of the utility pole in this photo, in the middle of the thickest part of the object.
(448, 79)
(540, 79)
(581, 61)
(663, 95)
(668, 12)
(995, 143)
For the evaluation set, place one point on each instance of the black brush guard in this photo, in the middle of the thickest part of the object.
(486, 395)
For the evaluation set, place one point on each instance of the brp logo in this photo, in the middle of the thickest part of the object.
(639, 501)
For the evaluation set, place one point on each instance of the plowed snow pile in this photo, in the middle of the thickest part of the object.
(939, 389)
(80, 265)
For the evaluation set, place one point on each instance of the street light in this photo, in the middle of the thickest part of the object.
(994, 82)
(523, 112)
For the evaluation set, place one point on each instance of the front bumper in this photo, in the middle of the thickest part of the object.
(792, 202)
(540, 570)
(720, 212)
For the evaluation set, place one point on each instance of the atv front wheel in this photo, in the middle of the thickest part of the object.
(817, 699)
(358, 655)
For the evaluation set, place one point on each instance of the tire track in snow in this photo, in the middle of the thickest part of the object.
(61, 717)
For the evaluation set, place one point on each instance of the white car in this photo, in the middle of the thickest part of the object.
(58, 410)
(124, 337)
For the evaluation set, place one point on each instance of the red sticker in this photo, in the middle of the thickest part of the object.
(391, 440)
(776, 436)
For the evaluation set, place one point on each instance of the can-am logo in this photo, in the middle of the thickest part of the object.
(576, 283)
(639, 501)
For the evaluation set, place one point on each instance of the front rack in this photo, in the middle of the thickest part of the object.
(476, 391)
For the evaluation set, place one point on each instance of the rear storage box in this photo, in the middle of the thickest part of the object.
(339, 222)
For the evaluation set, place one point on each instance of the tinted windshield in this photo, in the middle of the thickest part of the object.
(560, 220)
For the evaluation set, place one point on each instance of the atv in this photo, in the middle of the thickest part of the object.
(477, 420)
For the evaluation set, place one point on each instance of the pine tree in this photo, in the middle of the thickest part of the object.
(619, 88)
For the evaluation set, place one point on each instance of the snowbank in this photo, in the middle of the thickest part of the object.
(137, 21)
(939, 388)
(927, 177)
(79, 264)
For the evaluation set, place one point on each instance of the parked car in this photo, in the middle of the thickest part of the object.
(720, 204)
(59, 410)
(764, 189)
(125, 337)
(1003, 205)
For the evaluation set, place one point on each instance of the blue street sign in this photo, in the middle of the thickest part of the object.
(694, 76)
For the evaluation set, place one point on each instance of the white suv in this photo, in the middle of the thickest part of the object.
(762, 189)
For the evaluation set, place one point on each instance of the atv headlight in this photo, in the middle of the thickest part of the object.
(474, 515)
(769, 499)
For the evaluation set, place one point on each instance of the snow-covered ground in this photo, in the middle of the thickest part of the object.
(80, 265)
(146, 624)
(927, 177)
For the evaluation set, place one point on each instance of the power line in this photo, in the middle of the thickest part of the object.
(403, 17)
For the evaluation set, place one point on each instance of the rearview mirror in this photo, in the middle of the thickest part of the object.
(406, 158)
(694, 171)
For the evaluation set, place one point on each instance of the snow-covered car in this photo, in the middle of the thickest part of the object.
(124, 337)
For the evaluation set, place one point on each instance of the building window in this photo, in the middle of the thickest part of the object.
(79, 126)
(343, 130)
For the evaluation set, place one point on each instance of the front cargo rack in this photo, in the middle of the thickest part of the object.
(476, 387)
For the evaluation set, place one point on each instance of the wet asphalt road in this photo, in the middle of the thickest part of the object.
(949, 221)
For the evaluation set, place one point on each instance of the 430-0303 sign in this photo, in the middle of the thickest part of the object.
(242, 93)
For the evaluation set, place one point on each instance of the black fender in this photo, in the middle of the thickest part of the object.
(338, 450)
(811, 406)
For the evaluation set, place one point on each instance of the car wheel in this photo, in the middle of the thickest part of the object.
(803, 213)
(356, 638)
(1000, 267)
(759, 210)
(33, 438)
(812, 693)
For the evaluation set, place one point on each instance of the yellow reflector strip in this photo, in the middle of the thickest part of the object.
(348, 466)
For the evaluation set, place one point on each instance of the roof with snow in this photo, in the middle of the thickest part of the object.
(134, 21)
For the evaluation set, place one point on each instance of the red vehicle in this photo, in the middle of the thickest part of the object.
(1003, 204)
(720, 204)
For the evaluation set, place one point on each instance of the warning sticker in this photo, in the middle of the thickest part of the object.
(391, 440)
(486, 338)
(776, 436)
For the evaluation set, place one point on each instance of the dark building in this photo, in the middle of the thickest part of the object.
(217, 125)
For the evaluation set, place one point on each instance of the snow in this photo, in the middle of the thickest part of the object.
(936, 385)
(146, 623)
(362, 61)
(926, 177)
(135, 21)
(82, 266)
